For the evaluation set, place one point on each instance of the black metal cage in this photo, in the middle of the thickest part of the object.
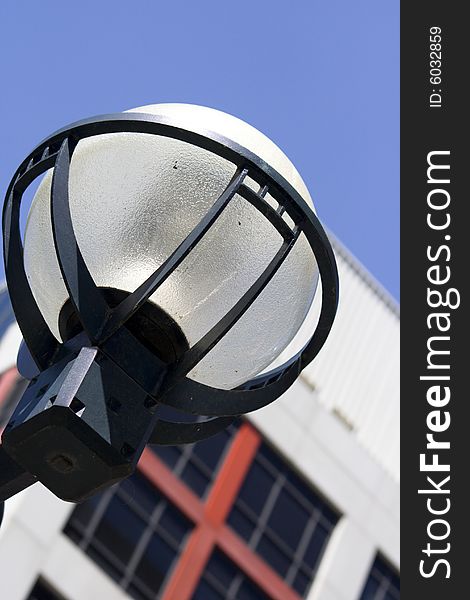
(104, 326)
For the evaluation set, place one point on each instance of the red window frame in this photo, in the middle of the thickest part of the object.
(8, 380)
(209, 518)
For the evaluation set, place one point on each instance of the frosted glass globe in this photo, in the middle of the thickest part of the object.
(134, 197)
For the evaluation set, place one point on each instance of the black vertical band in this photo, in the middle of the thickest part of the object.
(434, 300)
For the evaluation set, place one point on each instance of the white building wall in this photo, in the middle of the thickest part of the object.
(357, 373)
(32, 544)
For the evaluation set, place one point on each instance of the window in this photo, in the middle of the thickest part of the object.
(383, 582)
(282, 519)
(136, 533)
(42, 591)
(197, 464)
(222, 580)
(133, 533)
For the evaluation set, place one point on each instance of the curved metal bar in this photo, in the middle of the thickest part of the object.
(198, 399)
(326, 262)
(169, 433)
(37, 336)
(134, 301)
(195, 354)
(86, 298)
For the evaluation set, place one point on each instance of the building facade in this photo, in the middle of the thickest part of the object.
(297, 500)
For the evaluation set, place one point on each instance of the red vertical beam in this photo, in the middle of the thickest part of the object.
(192, 563)
(7, 381)
(232, 474)
(190, 567)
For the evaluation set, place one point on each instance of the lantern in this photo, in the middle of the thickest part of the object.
(171, 253)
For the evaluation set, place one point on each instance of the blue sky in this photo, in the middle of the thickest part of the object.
(321, 78)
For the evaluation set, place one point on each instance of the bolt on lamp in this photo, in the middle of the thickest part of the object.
(171, 253)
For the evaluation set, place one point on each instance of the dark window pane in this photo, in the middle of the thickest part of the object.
(241, 524)
(223, 580)
(168, 454)
(139, 490)
(288, 519)
(196, 480)
(155, 563)
(256, 487)
(73, 534)
(301, 583)
(206, 592)
(113, 568)
(310, 497)
(273, 459)
(381, 569)
(138, 593)
(210, 451)
(370, 590)
(316, 545)
(274, 556)
(383, 582)
(120, 530)
(248, 591)
(174, 524)
(41, 591)
(222, 569)
(83, 513)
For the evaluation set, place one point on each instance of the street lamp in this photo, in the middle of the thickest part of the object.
(171, 253)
